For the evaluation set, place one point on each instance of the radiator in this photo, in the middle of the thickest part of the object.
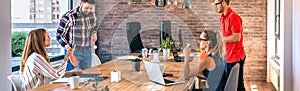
(274, 73)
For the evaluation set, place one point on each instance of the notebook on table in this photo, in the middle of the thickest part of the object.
(83, 78)
(155, 75)
(92, 77)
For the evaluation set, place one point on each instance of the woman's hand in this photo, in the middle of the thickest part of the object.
(73, 72)
(186, 51)
(76, 71)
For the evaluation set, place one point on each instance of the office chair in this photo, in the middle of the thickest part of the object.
(95, 60)
(133, 37)
(232, 81)
(15, 81)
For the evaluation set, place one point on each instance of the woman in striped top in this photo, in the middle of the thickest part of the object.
(35, 67)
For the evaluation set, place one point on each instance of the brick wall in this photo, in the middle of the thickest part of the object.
(114, 14)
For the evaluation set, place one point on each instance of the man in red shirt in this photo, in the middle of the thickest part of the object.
(231, 25)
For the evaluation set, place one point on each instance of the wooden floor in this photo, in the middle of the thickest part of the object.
(261, 85)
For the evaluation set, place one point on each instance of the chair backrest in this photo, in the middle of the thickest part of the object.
(165, 30)
(95, 60)
(15, 81)
(133, 36)
(232, 81)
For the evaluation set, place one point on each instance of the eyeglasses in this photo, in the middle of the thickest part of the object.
(219, 3)
(203, 39)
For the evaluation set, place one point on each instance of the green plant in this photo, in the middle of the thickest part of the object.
(18, 43)
(166, 44)
(136, 60)
(95, 85)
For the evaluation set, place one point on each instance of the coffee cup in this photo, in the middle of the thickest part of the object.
(144, 52)
(74, 82)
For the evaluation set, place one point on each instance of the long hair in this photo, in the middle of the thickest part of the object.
(35, 42)
(216, 42)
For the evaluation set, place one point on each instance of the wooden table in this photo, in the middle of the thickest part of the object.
(130, 81)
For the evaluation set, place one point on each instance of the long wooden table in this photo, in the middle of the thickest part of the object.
(130, 81)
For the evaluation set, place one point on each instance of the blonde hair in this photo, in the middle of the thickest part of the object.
(219, 47)
(216, 42)
(35, 42)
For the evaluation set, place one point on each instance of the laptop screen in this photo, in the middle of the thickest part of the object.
(154, 72)
(178, 58)
(175, 53)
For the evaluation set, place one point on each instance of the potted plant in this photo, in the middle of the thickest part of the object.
(95, 85)
(166, 46)
(136, 64)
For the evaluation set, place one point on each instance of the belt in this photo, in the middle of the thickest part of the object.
(83, 47)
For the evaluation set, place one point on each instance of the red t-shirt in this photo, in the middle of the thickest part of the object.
(232, 23)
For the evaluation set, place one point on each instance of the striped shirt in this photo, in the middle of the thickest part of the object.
(76, 29)
(38, 72)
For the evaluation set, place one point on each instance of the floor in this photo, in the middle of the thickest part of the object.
(261, 85)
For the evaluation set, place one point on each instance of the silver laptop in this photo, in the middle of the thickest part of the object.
(155, 74)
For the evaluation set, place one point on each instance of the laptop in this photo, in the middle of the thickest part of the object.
(180, 58)
(155, 75)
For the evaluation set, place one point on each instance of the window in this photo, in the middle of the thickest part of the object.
(40, 2)
(32, 14)
(277, 27)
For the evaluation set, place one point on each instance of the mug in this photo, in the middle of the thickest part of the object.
(74, 82)
(144, 52)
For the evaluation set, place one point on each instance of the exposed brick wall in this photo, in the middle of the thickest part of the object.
(114, 14)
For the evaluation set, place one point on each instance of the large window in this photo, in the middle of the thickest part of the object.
(31, 14)
(277, 28)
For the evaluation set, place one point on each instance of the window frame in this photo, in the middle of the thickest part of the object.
(53, 58)
(277, 29)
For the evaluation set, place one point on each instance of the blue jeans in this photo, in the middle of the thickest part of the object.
(241, 86)
(84, 57)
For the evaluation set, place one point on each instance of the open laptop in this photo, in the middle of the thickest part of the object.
(180, 58)
(155, 75)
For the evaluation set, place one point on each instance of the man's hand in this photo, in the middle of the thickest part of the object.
(235, 37)
(94, 37)
(70, 52)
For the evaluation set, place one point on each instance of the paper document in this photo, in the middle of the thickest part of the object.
(127, 57)
(66, 80)
(61, 80)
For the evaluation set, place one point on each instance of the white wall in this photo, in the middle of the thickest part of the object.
(286, 80)
(296, 45)
(5, 45)
(270, 34)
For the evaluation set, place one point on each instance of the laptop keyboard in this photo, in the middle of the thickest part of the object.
(168, 81)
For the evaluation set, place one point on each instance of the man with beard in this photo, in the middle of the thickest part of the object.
(76, 28)
(231, 25)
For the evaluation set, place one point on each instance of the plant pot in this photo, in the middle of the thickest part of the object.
(166, 53)
(136, 66)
